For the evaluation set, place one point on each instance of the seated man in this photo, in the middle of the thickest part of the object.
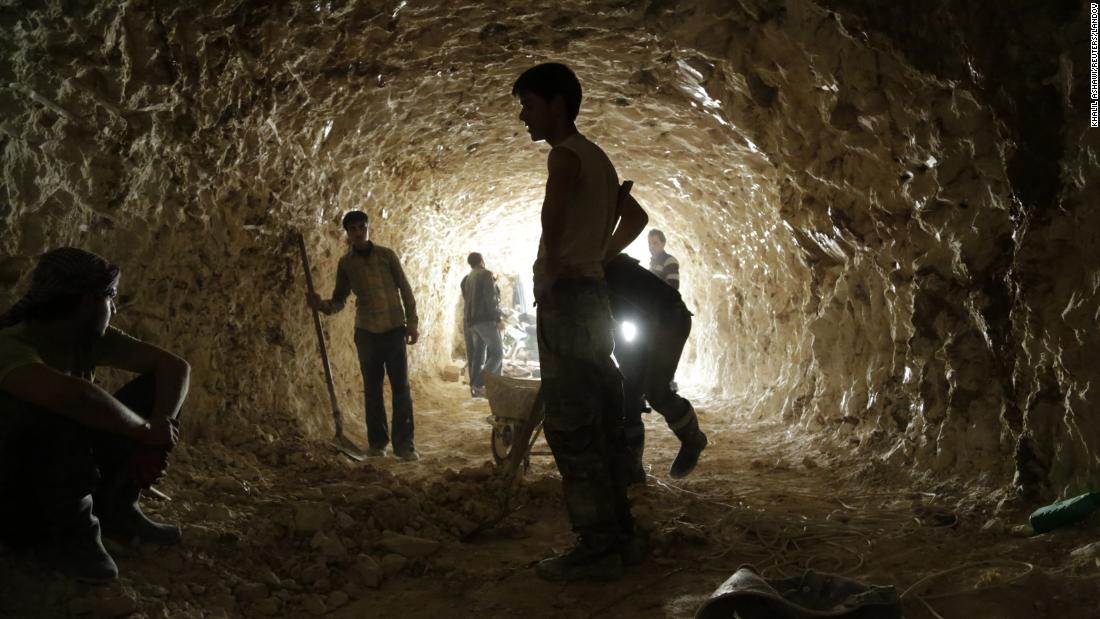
(649, 358)
(72, 456)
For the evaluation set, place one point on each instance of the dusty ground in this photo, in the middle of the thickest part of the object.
(281, 527)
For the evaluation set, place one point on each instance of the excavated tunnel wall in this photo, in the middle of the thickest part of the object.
(852, 242)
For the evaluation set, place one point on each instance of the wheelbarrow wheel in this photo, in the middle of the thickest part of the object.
(503, 440)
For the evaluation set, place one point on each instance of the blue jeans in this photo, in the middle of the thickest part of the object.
(484, 351)
(381, 354)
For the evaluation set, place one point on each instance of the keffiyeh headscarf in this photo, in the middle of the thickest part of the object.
(62, 272)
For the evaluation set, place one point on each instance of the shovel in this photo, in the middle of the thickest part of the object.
(342, 443)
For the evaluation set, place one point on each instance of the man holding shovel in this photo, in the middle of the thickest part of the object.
(385, 322)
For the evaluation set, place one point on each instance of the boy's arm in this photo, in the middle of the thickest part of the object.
(632, 220)
(80, 400)
(563, 166)
(412, 321)
(172, 373)
(490, 295)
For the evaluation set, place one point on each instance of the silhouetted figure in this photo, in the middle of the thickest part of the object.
(648, 356)
(580, 383)
(482, 323)
(385, 322)
(74, 459)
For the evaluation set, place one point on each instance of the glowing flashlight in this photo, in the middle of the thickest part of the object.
(629, 331)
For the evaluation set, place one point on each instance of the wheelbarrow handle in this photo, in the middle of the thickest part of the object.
(523, 441)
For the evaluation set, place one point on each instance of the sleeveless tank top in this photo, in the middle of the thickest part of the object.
(590, 213)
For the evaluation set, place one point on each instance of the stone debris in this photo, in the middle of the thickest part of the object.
(393, 563)
(319, 544)
(370, 572)
(110, 603)
(251, 592)
(408, 545)
(451, 373)
(336, 599)
(314, 605)
(311, 517)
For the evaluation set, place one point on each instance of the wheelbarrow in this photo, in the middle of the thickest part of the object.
(517, 410)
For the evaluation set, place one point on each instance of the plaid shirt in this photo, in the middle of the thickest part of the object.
(383, 298)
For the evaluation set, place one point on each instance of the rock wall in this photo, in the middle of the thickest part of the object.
(848, 218)
(1030, 65)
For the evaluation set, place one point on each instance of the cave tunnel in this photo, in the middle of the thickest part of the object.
(881, 215)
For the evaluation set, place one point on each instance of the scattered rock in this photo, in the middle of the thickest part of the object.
(314, 605)
(393, 563)
(336, 599)
(1022, 530)
(451, 373)
(314, 573)
(198, 535)
(268, 607)
(219, 513)
(369, 571)
(310, 516)
(344, 521)
(228, 485)
(107, 604)
(408, 546)
(251, 592)
(372, 493)
(332, 549)
(269, 578)
(1088, 551)
(994, 525)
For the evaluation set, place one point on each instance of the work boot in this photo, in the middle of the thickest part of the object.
(408, 455)
(692, 443)
(78, 549)
(376, 452)
(124, 521)
(584, 562)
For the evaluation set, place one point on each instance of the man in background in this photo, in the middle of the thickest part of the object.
(661, 263)
(482, 323)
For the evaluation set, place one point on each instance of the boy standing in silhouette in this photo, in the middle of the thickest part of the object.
(581, 386)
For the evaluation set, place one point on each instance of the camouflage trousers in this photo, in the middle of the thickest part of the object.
(583, 392)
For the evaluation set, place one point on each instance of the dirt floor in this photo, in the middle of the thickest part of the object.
(279, 526)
